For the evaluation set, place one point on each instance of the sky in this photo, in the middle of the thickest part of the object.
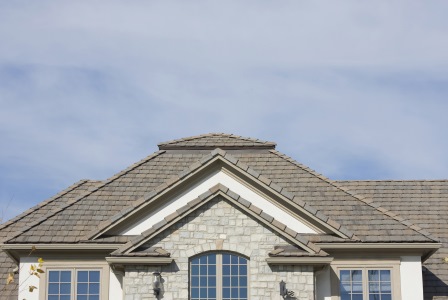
(352, 89)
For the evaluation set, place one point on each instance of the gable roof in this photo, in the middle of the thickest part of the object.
(235, 199)
(211, 141)
(221, 155)
(316, 194)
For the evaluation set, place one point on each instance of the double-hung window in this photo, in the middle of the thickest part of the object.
(73, 284)
(365, 284)
(219, 276)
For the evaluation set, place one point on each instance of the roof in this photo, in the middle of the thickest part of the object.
(216, 140)
(36, 212)
(423, 202)
(318, 195)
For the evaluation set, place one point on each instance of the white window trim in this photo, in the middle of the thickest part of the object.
(364, 265)
(74, 267)
(219, 271)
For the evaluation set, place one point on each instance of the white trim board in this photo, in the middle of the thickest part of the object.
(223, 178)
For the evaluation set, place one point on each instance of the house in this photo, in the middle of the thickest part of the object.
(219, 216)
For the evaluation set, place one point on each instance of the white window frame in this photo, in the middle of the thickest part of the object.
(365, 279)
(365, 265)
(219, 275)
(74, 267)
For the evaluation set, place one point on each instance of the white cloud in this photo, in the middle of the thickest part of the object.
(88, 87)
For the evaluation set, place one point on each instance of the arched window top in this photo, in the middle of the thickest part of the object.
(219, 276)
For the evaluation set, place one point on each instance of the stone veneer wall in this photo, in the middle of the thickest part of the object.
(216, 226)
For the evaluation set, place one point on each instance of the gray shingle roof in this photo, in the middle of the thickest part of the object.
(315, 193)
(36, 212)
(216, 140)
(422, 202)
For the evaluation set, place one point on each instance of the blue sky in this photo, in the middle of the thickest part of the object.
(354, 90)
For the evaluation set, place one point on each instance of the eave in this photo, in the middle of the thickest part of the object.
(155, 261)
(307, 261)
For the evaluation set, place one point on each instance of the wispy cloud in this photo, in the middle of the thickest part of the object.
(354, 90)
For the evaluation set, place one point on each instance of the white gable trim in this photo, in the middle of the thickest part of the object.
(299, 225)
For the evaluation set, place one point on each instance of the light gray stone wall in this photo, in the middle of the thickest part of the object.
(219, 226)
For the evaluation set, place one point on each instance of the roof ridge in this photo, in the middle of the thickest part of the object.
(362, 198)
(44, 203)
(207, 196)
(82, 196)
(177, 143)
(137, 204)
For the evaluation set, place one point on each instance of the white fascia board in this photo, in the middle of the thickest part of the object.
(60, 246)
(425, 246)
(225, 179)
(290, 260)
(140, 260)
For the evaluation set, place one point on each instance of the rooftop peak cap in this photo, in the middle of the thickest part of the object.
(211, 141)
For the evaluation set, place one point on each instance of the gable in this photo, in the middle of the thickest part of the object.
(225, 178)
(217, 225)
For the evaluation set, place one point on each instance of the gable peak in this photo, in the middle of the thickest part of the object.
(216, 140)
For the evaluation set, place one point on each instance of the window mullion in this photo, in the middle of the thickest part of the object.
(218, 276)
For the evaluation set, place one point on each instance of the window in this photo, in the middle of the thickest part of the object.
(79, 284)
(218, 276)
(365, 284)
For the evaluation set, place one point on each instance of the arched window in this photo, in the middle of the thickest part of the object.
(218, 276)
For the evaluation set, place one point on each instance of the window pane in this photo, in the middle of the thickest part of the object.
(226, 292)
(203, 281)
(94, 276)
(53, 288)
(83, 276)
(225, 270)
(357, 275)
(357, 297)
(386, 297)
(96, 297)
(346, 296)
(195, 292)
(357, 288)
(66, 297)
(94, 288)
(226, 259)
(212, 270)
(234, 259)
(82, 297)
(385, 275)
(345, 275)
(194, 281)
(374, 275)
(374, 287)
(346, 287)
(226, 281)
(82, 288)
(66, 276)
(195, 270)
(65, 288)
(374, 297)
(53, 276)
(212, 259)
(212, 281)
(211, 293)
(385, 287)
(243, 281)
